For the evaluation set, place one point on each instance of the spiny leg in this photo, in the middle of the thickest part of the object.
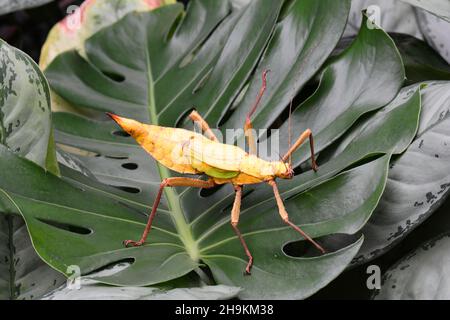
(197, 118)
(169, 182)
(305, 135)
(284, 215)
(248, 124)
(234, 223)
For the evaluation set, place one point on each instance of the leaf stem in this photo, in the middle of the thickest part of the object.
(179, 219)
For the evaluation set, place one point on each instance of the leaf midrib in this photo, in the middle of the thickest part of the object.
(178, 217)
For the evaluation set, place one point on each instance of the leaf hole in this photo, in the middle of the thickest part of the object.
(114, 76)
(120, 133)
(67, 227)
(128, 189)
(116, 157)
(202, 81)
(286, 9)
(190, 57)
(207, 192)
(113, 267)
(174, 27)
(229, 112)
(331, 243)
(184, 119)
(130, 166)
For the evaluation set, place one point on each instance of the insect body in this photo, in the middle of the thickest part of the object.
(188, 152)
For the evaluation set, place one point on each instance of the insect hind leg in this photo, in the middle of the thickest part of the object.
(169, 182)
(234, 224)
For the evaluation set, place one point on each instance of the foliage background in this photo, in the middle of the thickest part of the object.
(28, 29)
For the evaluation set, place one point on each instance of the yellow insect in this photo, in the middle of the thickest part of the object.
(188, 152)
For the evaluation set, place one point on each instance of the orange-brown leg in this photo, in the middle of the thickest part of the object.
(305, 135)
(169, 182)
(250, 137)
(234, 223)
(284, 215)
(248, 132)
(198, 119)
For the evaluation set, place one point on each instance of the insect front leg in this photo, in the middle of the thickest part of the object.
(305, 135)
(284, 215)
(169, 182)
(234, 223)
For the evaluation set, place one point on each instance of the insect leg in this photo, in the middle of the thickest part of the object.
(197, 118)
(169, 182)
(284, 215)
(234, 223)
(248, 124)
(305, 135)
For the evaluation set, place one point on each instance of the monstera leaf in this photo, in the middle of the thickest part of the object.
(161, 74)
(83, 22)
(26, 130)
(421, 62)
(210, 57)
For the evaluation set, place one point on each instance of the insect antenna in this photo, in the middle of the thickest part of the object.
(290, 131)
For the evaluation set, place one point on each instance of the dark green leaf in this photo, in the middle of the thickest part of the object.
(421, 62)
(94, 225)
(292, 63)
(332, 109)
(389, 131)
